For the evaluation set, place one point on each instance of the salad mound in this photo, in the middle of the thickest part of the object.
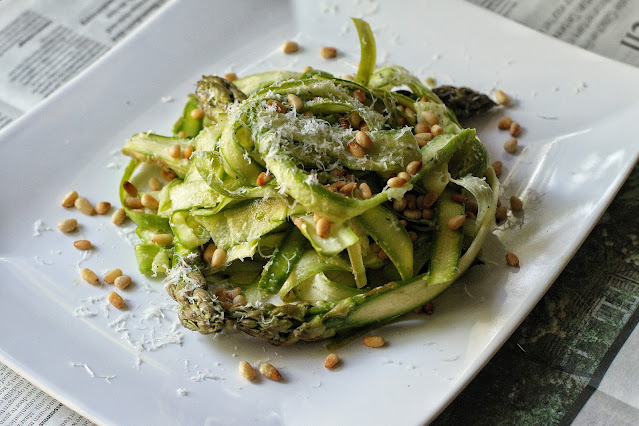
(301, 206)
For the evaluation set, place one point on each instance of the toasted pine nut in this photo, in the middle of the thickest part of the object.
(279, 107)
(458, 198)
(348, 188)
(403, 175)
(175, 151)
(356, 150)
(102, 207)
(162, 239)
(364, 127)
(363, 140)
(374, 341)
(154, 184)
(69, 199)
(110, 276)
(365, 191)
(359, 95)
(328, 52)
(497, 166)
(167, 175)
(181, 134)
(82, 244)
(122, 282)
(511, 146)
(270, 372)
(412, 214)
(382, 255)
(331, 360)
(501, 213)
(350, 77)
(323, 227)
(430, 198)
(116, 300)
(230, 76)
(133, 203)
(337, 172)
(428, 214)
(514, 129)
(130, 189)
(512, 259)
(413, 235)
(208, 253)
(118, 217)
(399, 204)
(197, 113)
(413, 167)
(423, 138)
(188, 151)
(247, 371)
(68, 225)
(355, 119)
(516, 204)
(295, 101)
(411, 200)
(218, 258)
(430, 118)
(290, 47)
(149, 201)
(344, 123)
(84, 206)
(239, 300)
(456, 222)
(410, 113)
(501, 98)
(472, 207)
(396, 182)
(504, 123)
(306, 68)
(436, 130)
(263, 178)
(89, 276)
(421, 128)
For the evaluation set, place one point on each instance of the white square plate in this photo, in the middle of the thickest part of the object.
(579, 112)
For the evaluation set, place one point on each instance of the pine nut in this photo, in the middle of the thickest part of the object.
(374, 341)
(118, 217)
(350, 77)
(239, 300)
(168, 175)
(69, 199)
(174, 151)
(218, 258)
(365, 191)
(428, 214)
(208, 253)
(396, 182)
(472, 207)
(458, 198)
(501, 213)
(337, 172)
(399, 204)
(511, 146)
(122, 282)
(413, 235)
(348, 188)
(403, 175)
(130, 189)
(363, 140)
(110, 276)
(133, 203)
(182, 134)
(355, 119)
(263, 178)
(344, 123)
(356, 150)
(501, 98)
(504, 123)
(382, 255)
(116, 300)
(89, 276)
(359, 96)
(197, 113)
(295, 101)
(456, 222)
(413, 167)
(306, 68)
(331, 361)
(515, 129)
(149, 201)
(410, 113)
(497, 166)
(188, 151)
(82, 244)
(84, 206)
(436, 130)
(155, 184)
(162, 239)
(421, 128)
(290, 47)
(516, 204)
(375, 248)
(430, 118)
(230, 76)
(247, 371)
(102, 207)
(68, 225)
(279, 107)
(235, 292)
(270, 372)
(323, 227)
(364, 127)
(328, 52)
(411, 200)
(430, 198)
(413, 214)
(423, 138)
(512, 259)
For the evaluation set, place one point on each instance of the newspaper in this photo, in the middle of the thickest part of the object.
(45, 43)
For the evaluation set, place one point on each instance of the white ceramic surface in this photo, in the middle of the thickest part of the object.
(579, 112)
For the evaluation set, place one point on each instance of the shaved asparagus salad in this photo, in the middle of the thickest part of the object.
(303, 206)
